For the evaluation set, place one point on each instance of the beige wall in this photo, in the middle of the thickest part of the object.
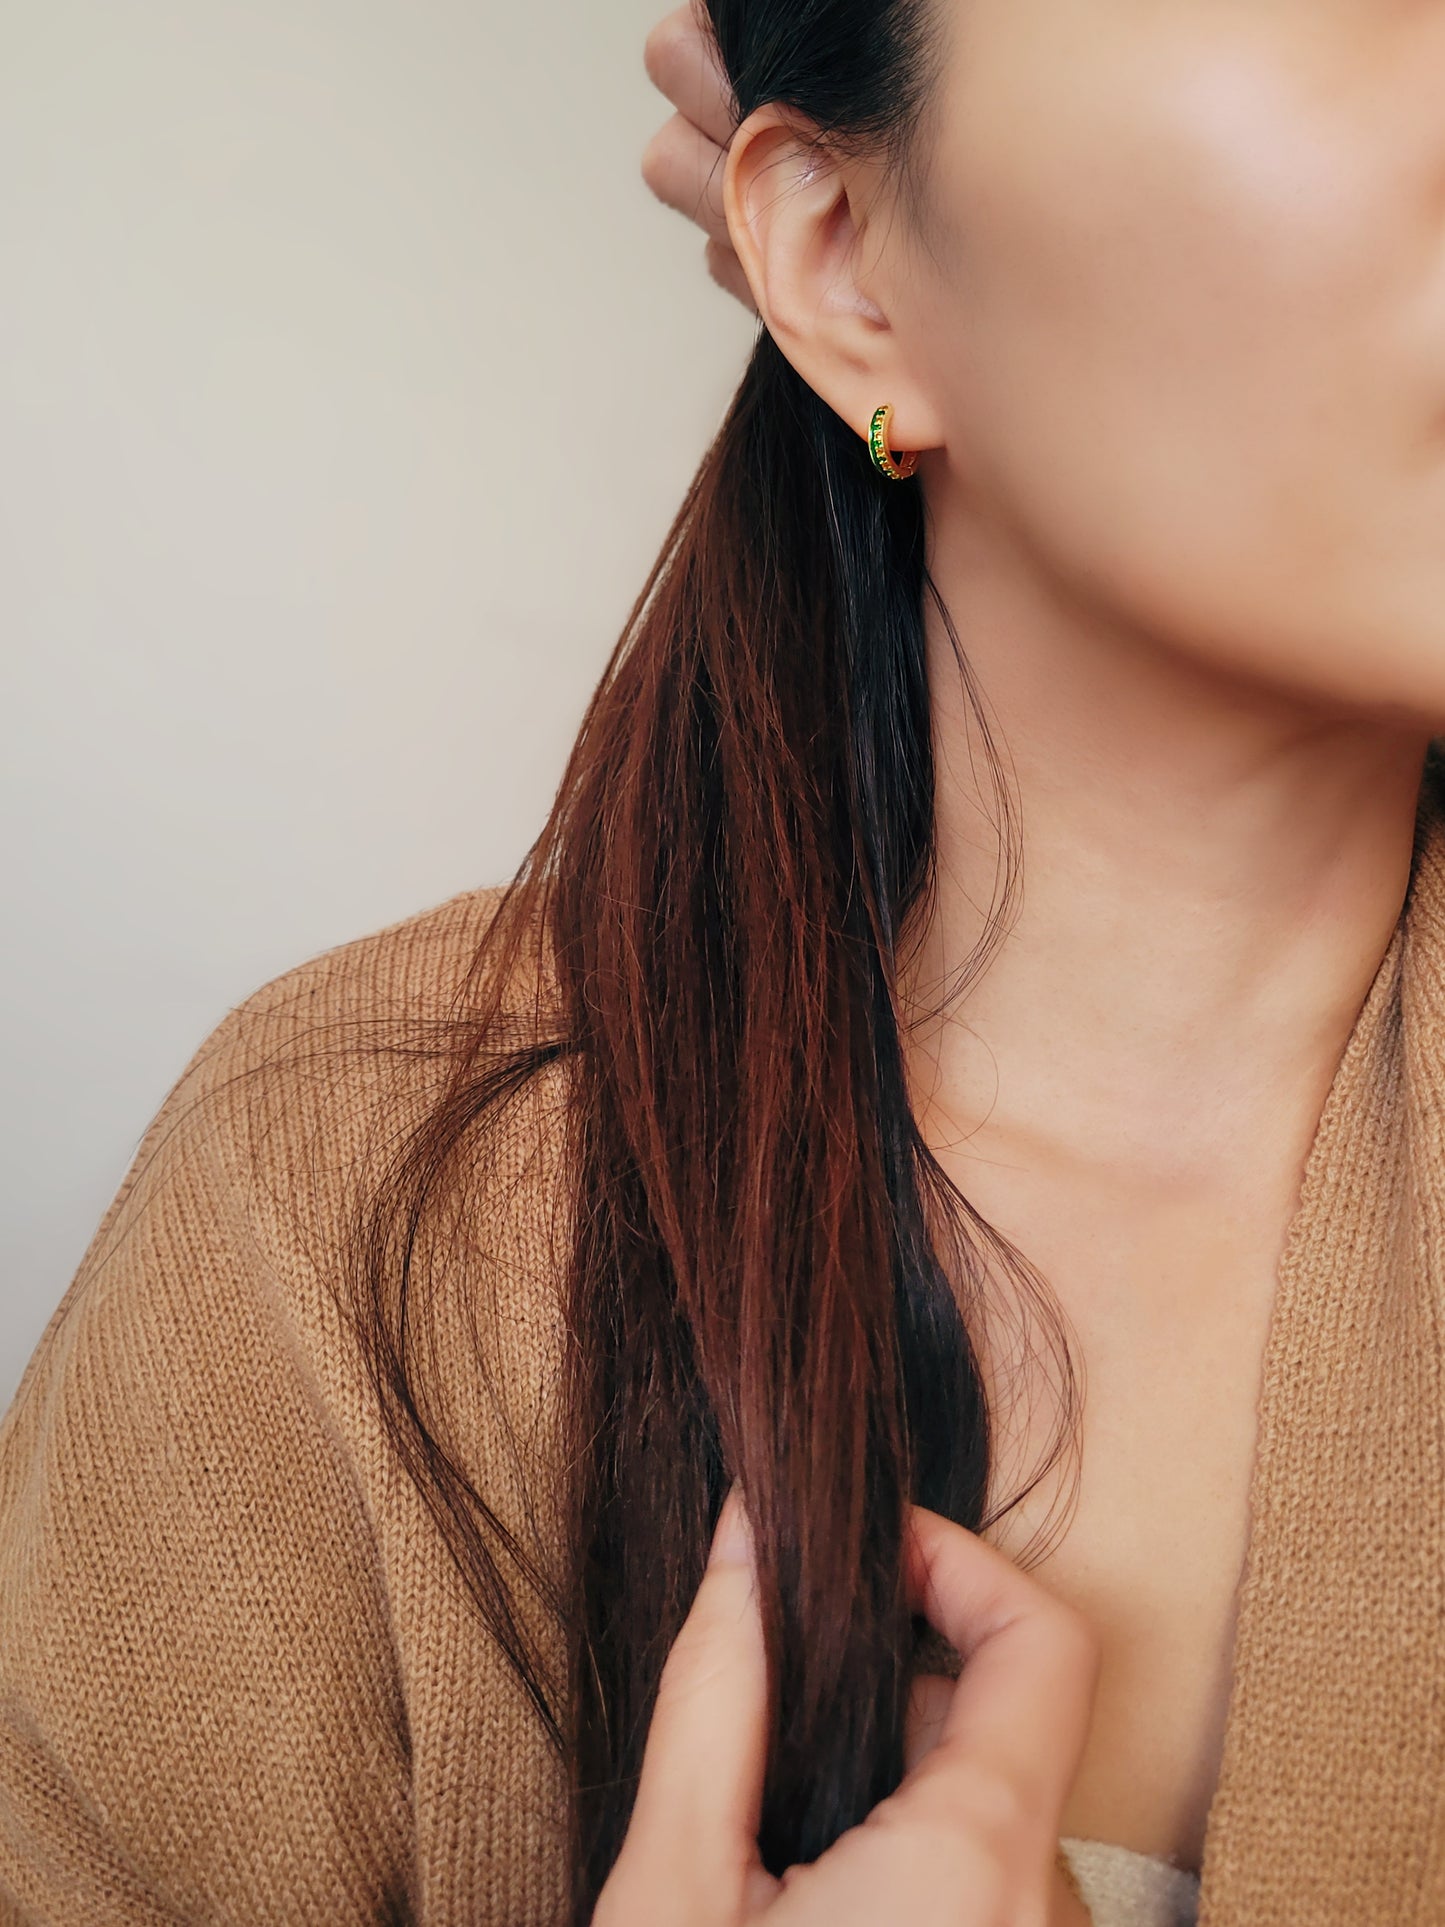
(294, 640)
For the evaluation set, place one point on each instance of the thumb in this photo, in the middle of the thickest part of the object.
(699, 1796)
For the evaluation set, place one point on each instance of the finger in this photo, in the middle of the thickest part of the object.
(929, 1695)
(684, 169)
(726, 269)
(1018, 1717)
(699, 1796)
(681, 59)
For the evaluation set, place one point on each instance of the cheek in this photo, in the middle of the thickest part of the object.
(1185, 362)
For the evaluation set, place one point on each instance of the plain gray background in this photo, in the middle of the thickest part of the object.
(321, 329)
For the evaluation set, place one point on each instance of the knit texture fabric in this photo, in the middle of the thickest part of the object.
(1122, 1888)
(240, 1679)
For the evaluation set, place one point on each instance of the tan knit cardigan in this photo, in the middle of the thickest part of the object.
(239, 1679)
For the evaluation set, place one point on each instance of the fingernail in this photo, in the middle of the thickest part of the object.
(732, 1542)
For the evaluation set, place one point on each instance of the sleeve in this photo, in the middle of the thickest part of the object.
(200, 1712)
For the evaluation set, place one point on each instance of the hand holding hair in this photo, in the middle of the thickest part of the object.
(969, 1838)
(683, 162)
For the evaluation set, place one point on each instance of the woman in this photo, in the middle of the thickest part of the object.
(355, 1509)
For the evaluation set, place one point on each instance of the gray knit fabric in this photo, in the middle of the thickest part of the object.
(1122, 1888)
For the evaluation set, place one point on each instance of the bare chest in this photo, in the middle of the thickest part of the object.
(1154, 1550)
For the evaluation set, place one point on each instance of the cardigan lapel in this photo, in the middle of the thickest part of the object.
(1330, 1806)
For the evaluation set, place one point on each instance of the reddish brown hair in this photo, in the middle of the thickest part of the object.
(740, 846)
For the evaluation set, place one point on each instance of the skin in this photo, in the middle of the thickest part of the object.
(1171, 348)
(969, 1836)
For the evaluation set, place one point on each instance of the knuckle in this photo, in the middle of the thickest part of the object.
(727, 272)
(995, 1809)
(888, 1814)
(975, 1830)
(660, 163)
(999, 1807)
(958, 1855)
(661, 48)
(652, 163)
(722, 265)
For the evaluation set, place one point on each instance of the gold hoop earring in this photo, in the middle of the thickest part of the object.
(897, 468)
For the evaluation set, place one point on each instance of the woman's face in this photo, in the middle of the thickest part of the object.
(1185, 325)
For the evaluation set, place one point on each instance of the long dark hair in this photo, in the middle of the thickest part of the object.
(722, 892)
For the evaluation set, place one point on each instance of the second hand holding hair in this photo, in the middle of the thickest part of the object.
(969, 1837)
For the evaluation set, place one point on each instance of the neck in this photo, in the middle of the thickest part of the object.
(1210, 875)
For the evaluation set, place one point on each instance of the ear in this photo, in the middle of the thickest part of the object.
(798, 221)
